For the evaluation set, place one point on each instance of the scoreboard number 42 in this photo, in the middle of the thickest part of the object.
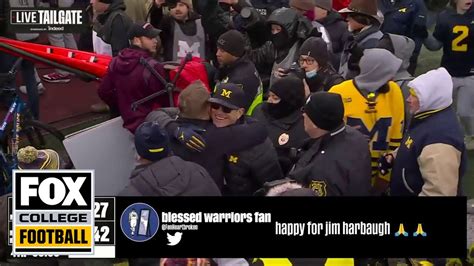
(104, 227)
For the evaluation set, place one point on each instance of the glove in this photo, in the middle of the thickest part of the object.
(384, 165)
(190, 136)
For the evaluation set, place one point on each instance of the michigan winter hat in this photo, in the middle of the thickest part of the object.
(306, 5)
(229, 95)
(325, 109)
(324, 4)
(316, 48)
(151, 141)
(232, 42)
(31, 158)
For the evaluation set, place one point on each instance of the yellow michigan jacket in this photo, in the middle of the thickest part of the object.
(379, 115)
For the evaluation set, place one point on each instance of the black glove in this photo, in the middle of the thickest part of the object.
(384, 166)
(190, 136)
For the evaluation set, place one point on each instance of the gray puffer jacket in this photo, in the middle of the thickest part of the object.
(171, 176)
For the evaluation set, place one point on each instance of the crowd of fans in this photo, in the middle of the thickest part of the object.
(298, 89)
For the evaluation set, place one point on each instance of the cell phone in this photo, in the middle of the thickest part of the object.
(144, 220)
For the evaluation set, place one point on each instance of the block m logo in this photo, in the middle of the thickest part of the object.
(184, 49)
(381, 128)
(226, 93)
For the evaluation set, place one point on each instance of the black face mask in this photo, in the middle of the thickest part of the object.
(279, 110)
(280, 40)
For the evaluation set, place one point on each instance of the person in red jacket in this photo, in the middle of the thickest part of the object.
(125, 81)
(340, 4)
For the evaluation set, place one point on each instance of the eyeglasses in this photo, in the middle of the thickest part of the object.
(308, 61)
(216, 106)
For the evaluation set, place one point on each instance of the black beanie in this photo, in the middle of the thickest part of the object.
(106, 1)
(325, 109)
(232, 42)
(316, 48)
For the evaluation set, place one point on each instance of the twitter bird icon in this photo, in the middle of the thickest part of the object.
(173, 240)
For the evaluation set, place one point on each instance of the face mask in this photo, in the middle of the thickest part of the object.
(311, 74)
(278, 110)
(279, 40)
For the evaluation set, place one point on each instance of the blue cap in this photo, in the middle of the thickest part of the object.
(151, 141)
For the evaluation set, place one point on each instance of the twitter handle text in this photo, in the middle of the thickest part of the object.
(179, 227)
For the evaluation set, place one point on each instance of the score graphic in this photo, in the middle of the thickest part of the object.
(53, 212)
(104, 229)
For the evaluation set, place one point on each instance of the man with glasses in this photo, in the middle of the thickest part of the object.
(246, 171)
(315, 61)
(224, 136)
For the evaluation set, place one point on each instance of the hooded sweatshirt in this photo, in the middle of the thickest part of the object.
(125, 84)
(377, 67)
(403, 49)
(433, 89)
(375, 104)
(432, 158)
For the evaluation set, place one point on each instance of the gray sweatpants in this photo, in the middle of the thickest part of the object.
(65, 40)
(464, 101)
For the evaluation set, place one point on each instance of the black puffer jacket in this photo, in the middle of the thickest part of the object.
(247, 171)
(171, 176)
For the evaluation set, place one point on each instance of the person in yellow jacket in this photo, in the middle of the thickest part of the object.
(374, 104)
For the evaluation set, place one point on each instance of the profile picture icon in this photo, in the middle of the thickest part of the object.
(139, 222)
